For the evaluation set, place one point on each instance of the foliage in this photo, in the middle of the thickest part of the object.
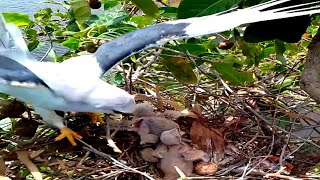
(190, 71)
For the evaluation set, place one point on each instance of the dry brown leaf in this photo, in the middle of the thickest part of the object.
(23, 156)
(233, 121)
(197, 109)
(2, 167)
(174, 3)
(208, 138)
(159, 98)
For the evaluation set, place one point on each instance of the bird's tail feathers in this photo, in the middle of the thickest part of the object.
(200, 26)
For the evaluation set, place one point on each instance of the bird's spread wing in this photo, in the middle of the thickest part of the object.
(12, 44)
(15, 74)
(13, 55)
(114, 51)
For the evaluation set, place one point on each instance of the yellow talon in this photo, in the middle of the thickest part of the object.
(95, 117)
(66, 132)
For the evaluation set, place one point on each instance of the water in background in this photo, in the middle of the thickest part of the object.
(25, 6)
(30, 7)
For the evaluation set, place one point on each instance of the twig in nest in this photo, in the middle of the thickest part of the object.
(114, 161)
(279, 175)
(111, 143)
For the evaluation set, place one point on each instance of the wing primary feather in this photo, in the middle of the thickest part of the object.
(114, 51)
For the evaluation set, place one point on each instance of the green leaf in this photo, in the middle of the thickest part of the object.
(19, 19)
(119, 79)
(180, 68)
(283, 83)
(266, 52)
(81, 10)
(191, 8)
(53, 55)
(141, 21)
(232, 76)
(33, 45)
(108, 4)
(31, 34)
(280, 48)
(107, 19)
(147, 6)
(72, 43)
(194, 49)
(267, 66)
(168, 11)
(43, 15)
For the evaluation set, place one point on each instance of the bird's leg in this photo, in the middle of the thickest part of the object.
(95, 117)
(53, 119)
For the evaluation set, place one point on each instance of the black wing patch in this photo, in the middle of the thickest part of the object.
(12, 71)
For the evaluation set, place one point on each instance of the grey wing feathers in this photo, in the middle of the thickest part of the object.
(12, 71)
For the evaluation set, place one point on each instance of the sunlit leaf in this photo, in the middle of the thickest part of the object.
(141, 21)
(180, 68)
(43, 15)
(232, 75)
(72, 43)
(147, 6)
(81, 10)
(108, 4)
(283, 83)
(19, 19)
(52, 55)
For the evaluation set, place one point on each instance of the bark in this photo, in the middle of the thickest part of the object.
(310, 78)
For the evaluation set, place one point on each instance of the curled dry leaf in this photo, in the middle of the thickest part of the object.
(208, 138)
(206, 168)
